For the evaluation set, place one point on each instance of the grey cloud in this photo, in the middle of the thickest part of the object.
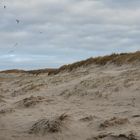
(124, 4)
(69, 30)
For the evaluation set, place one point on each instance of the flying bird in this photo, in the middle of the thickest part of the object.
(17, 21)
(4, 6)
(13, 48)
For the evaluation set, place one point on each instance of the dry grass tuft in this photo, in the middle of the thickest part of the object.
(13, 71)
(114, 121)
(31, 101)
(6, 110)
(129, 136)
(49, 125)
(1, 99)
(87, 119)
(33, 72)
(41, 71)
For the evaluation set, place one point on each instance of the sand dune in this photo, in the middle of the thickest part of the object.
(88, 100)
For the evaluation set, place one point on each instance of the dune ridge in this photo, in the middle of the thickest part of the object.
(94, 99)
(117, 59)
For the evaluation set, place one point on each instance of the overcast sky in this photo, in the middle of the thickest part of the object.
(51, 33)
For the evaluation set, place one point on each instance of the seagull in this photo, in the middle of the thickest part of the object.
(15, 44)
(11, 51)
(4, 6)
(17, 21)
(13, 48)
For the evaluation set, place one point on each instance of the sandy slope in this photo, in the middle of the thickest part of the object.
(100, 102)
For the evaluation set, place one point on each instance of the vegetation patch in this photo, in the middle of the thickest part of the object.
(53, 125)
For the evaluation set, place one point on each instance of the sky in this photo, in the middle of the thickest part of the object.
(38, 34)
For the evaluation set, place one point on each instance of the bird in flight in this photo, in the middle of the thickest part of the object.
(4, 6)
(13, 48)
(17, 21)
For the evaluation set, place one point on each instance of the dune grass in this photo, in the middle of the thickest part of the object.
(116, 59)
